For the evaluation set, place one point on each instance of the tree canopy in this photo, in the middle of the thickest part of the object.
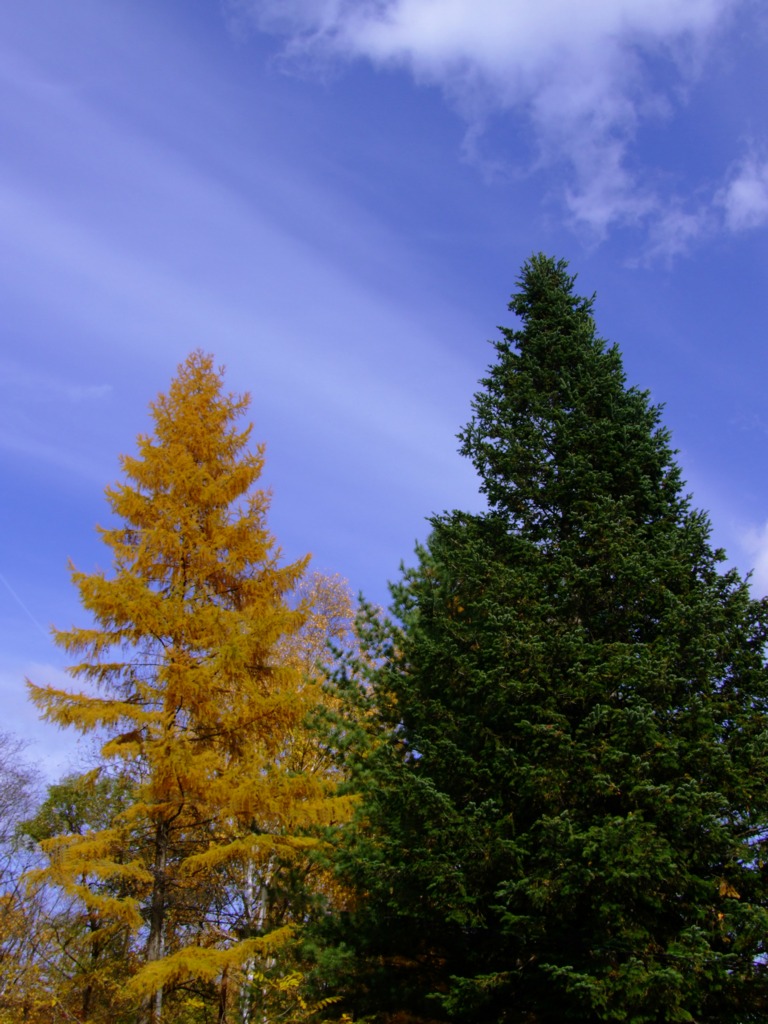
(535, 792)
(198, 666)
(564, 809)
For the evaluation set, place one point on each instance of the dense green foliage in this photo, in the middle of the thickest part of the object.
(563, 772)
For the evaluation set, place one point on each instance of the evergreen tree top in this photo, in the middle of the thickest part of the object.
(555, 429)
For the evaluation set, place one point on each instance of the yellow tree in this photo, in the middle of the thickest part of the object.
(189, 671)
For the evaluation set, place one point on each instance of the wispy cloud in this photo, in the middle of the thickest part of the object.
(86, 392)
(739, 204)
(677, 229)
(30, 399)
(745, 197)
(14, 441)
(19, 378)
(53, 750)
(580, 76)
(755, 543)
(24, 607)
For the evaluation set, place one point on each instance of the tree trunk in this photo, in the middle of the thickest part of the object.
(223, 994)
(153, 1007)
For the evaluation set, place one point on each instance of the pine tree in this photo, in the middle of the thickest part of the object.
(193, 679)
(565, 809)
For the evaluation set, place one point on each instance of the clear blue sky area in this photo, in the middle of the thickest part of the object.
(335, 197)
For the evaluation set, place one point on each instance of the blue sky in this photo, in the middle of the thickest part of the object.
(335, 197)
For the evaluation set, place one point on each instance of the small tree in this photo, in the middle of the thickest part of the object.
(23, 988)
(89, 955)
(565, 807)
(192, 680)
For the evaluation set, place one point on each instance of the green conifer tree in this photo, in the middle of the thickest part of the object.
(565, 807)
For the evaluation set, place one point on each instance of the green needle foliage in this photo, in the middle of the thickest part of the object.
(564, 793)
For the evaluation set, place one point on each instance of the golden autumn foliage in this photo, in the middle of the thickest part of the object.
(198, 671)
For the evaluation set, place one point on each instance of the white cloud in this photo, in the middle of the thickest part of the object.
(677, 229)
(740, 203)
(745, 197)
(755, 542)
(577, 73)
